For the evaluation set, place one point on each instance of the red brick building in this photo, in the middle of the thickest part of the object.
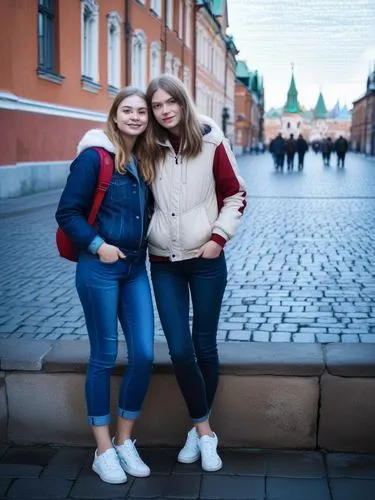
(63, 61)
(249, 110)
(363, 120)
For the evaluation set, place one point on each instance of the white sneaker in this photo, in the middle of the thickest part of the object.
(108, 468)
(130, 460)
(208, 448)
(190, 452)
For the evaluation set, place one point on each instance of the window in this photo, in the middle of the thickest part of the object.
(168, 63)
(180, 18)
(114, 50)
(169, 14)
(155, 60)
(187, 77)
(188, 25)
(90, 39)
(46, 35)
(139, 60)
(176, 67)
(155, 6)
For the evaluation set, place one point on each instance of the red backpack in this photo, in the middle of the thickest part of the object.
(67, 249)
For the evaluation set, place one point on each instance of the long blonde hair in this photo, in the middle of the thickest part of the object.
(123, 155)
(191, 133)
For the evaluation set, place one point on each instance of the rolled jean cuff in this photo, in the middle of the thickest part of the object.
(127, 414)
(200, 420)
(101, 420)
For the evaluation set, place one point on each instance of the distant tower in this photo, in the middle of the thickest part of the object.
(291, 117)
(292, 104)
(320, 110)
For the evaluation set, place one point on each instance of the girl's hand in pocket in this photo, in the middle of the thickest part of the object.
(210, 250)
(109, 253)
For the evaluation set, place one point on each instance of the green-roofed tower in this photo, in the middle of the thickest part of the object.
(292, 104)
(320, 110)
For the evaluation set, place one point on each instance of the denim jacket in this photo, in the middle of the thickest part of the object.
(124, 214)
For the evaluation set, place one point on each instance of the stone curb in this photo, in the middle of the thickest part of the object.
(279, 395)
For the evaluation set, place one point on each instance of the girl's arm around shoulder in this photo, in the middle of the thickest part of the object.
(76, 201)
(230, 193)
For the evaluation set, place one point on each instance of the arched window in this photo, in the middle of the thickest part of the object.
(170, 14)
(187, 77)
(176, 67)
(155, 60)
(168, 63)
(89, 39)
(155, 6)
(188, 25)
(139, 60)
(114, 50)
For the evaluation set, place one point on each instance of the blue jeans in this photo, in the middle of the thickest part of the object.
(109, 292)
(194, 356)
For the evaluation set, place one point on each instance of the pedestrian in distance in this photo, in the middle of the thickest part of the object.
(315, 146)
(271, 149)
(111, 277)
(199, 200)
(290, 148)
(341, 148)
(278, 149)
(326, 150)
(302, 147)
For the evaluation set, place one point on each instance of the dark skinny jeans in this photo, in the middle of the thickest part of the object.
(194, 355)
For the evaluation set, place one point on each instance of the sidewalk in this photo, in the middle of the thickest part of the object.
(300, 269)
(65, 473)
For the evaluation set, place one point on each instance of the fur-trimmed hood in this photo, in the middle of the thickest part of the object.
(211, 130)
(95, 138)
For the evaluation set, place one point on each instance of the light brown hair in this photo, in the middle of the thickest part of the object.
(123, 155)
(191, 133)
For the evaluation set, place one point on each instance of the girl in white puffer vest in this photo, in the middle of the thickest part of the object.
(199, 200)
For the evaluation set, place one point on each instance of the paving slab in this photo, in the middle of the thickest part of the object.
(91, 487)
(350, 465)
(49, 489)
(281, 488)
(4, 485)
(294, 464)
(232, 488)
(180, 486)
(352, 489)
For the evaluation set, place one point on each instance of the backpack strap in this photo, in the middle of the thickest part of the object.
(105, 176)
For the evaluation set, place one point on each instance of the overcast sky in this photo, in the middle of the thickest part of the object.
(330, 42)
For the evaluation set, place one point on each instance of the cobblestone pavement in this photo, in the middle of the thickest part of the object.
(49, 473)
(301, 268)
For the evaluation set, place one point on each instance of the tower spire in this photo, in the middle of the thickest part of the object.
(292, 104)
(320, 110)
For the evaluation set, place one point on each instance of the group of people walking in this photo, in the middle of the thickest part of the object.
(175, 190)
(281, 148)
(327, 146)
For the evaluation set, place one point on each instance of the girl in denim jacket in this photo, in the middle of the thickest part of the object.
(111, 277)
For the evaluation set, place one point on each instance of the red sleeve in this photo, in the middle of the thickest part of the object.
(227, 184)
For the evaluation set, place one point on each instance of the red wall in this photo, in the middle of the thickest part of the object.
(28, 137)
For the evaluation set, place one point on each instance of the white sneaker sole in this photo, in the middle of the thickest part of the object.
(213, 469)
(131, 472)
(191, 460)
(109, 481)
